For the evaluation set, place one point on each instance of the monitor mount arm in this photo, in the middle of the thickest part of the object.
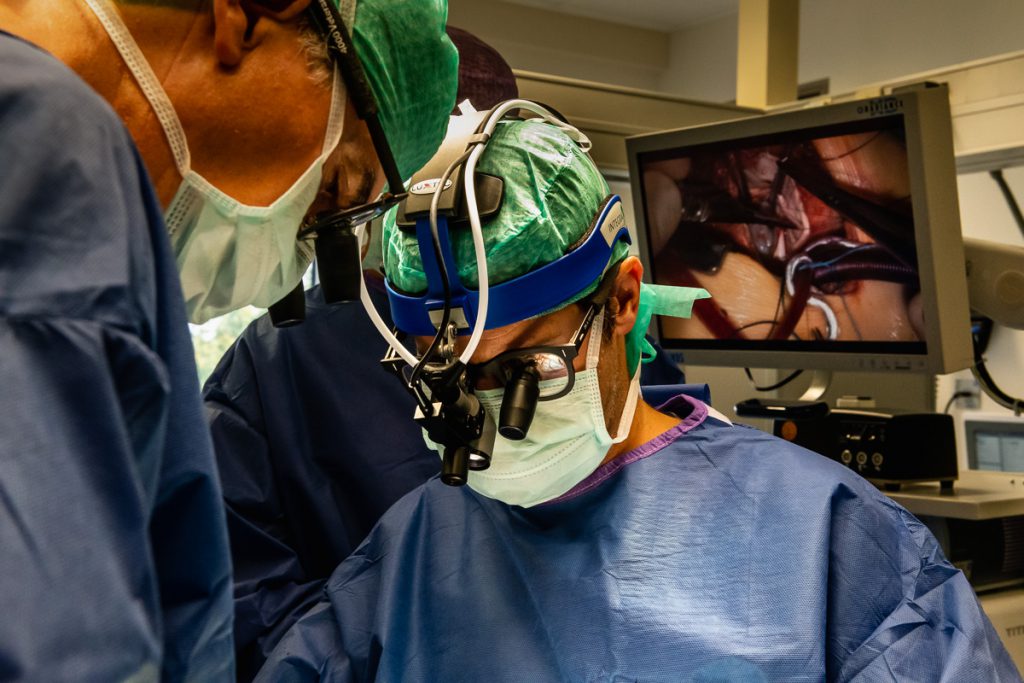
(995, 286)
(995, 281)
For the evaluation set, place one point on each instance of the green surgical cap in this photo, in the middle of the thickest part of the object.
(552, 192)
(412, 67)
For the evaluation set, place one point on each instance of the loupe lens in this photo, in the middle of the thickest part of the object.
(478, 461)
(519, 404)
(455, 466)
(338, 261)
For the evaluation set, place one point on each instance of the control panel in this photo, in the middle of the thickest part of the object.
(884, 447)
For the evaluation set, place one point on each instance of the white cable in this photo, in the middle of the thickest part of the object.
(474, 214)
(371, 310)
(483, 285)
(434, 203)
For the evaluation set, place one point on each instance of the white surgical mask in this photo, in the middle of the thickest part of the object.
(229, 254)
(566, 442)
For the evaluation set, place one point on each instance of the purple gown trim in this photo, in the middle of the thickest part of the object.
(698, 413)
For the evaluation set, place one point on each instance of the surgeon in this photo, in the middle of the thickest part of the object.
(615, 540)
(312, 442)
(114, 556)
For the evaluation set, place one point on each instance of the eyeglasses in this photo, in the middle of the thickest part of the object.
(329, 23)
(553, 365)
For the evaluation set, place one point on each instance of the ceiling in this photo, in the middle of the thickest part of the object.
(659, 15)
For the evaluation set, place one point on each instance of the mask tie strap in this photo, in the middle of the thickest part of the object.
(629, 409)
(147, 80)
(593, 356)
(594, 343)
(336, 118)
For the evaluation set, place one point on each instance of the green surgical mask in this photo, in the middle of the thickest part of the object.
(675, 302)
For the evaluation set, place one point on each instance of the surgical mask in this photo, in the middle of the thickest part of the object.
(566, 442)
(229, 254)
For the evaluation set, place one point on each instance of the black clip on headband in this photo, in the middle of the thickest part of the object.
(339, 45)
(337, 246)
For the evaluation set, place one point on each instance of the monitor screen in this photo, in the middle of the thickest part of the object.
(812, 231)
(994, 443)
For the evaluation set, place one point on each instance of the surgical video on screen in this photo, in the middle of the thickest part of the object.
(804, 239)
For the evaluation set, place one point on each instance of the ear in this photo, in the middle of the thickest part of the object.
(626, 294)
(234, 19)
(230, 23)
(279, 10)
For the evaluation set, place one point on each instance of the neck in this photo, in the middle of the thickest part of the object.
(647, 424)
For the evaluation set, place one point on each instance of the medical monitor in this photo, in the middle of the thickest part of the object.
(828, 237)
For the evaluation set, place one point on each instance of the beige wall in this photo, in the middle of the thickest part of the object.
(702, 61)
(873, 40)
(550, 42)
(852, 43)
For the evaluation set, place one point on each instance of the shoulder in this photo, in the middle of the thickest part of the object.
(413, 521)
(34, 83)
(70, 147)
(789, 479)
(79, 212)
(738, 448)
(800, 484)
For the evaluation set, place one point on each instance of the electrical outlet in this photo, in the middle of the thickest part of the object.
(969, 385)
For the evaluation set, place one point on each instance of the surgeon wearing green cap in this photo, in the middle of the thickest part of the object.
(615, 540)
(553, 193)
(242, 125)
(161, 157)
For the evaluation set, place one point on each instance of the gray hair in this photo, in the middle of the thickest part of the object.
(314, 51)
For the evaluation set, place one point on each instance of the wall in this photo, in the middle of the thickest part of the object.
(702, 61)
(554, 43)
(854, 43)
(851, 43)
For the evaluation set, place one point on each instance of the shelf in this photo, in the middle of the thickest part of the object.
(976, 496)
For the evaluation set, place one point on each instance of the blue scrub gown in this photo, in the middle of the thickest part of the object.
(114, 560)
(711, 553)
(314, 441)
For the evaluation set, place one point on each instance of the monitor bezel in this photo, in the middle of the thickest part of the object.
(939, 243)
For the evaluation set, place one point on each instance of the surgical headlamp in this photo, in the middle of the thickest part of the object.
(334, 231)
(448, 194)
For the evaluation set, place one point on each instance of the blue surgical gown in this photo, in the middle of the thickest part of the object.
(114, 559)
(711, 553)
(314, 441)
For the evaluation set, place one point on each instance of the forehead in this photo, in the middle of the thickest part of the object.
(551, 329)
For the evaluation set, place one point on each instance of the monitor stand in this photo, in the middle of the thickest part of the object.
(807, 406)
(820, 381)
